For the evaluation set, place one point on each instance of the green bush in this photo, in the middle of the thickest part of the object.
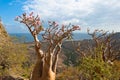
(95, 69)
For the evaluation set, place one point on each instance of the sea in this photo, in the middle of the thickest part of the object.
(27, 37)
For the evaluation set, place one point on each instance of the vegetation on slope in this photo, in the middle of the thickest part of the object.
(13, 56)
(98, 62)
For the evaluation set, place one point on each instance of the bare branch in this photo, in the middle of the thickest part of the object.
(56, 58)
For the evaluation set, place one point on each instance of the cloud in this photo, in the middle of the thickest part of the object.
(87, 13)
(59, 9)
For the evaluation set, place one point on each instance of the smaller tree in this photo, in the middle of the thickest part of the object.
(106, 43)
(45, 67)
(97, 61)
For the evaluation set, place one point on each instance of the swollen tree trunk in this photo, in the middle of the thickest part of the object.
(42, 71)
(45, 67)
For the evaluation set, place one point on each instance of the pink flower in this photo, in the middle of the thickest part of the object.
(31, 14)
(29, 17)
(38, 23)
(38, 19)
(55, 24)
(76, 28)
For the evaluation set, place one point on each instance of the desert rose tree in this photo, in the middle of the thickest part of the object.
(54, 35)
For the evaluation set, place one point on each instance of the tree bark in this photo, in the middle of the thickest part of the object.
(43, 67)
(43, 70)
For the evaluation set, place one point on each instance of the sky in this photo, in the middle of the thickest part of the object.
(92, 14)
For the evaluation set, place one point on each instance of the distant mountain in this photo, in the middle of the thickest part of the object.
(26, 37)
(116, 36)
(71, 46)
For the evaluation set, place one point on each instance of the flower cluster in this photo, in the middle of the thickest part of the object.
(31, 21)
(56, 33)
(51, 34)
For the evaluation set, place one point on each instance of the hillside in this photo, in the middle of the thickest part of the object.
(70, 47)
(3, 35)
(10, 55)
(68, 55)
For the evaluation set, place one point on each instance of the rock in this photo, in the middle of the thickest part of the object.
(8, 78)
